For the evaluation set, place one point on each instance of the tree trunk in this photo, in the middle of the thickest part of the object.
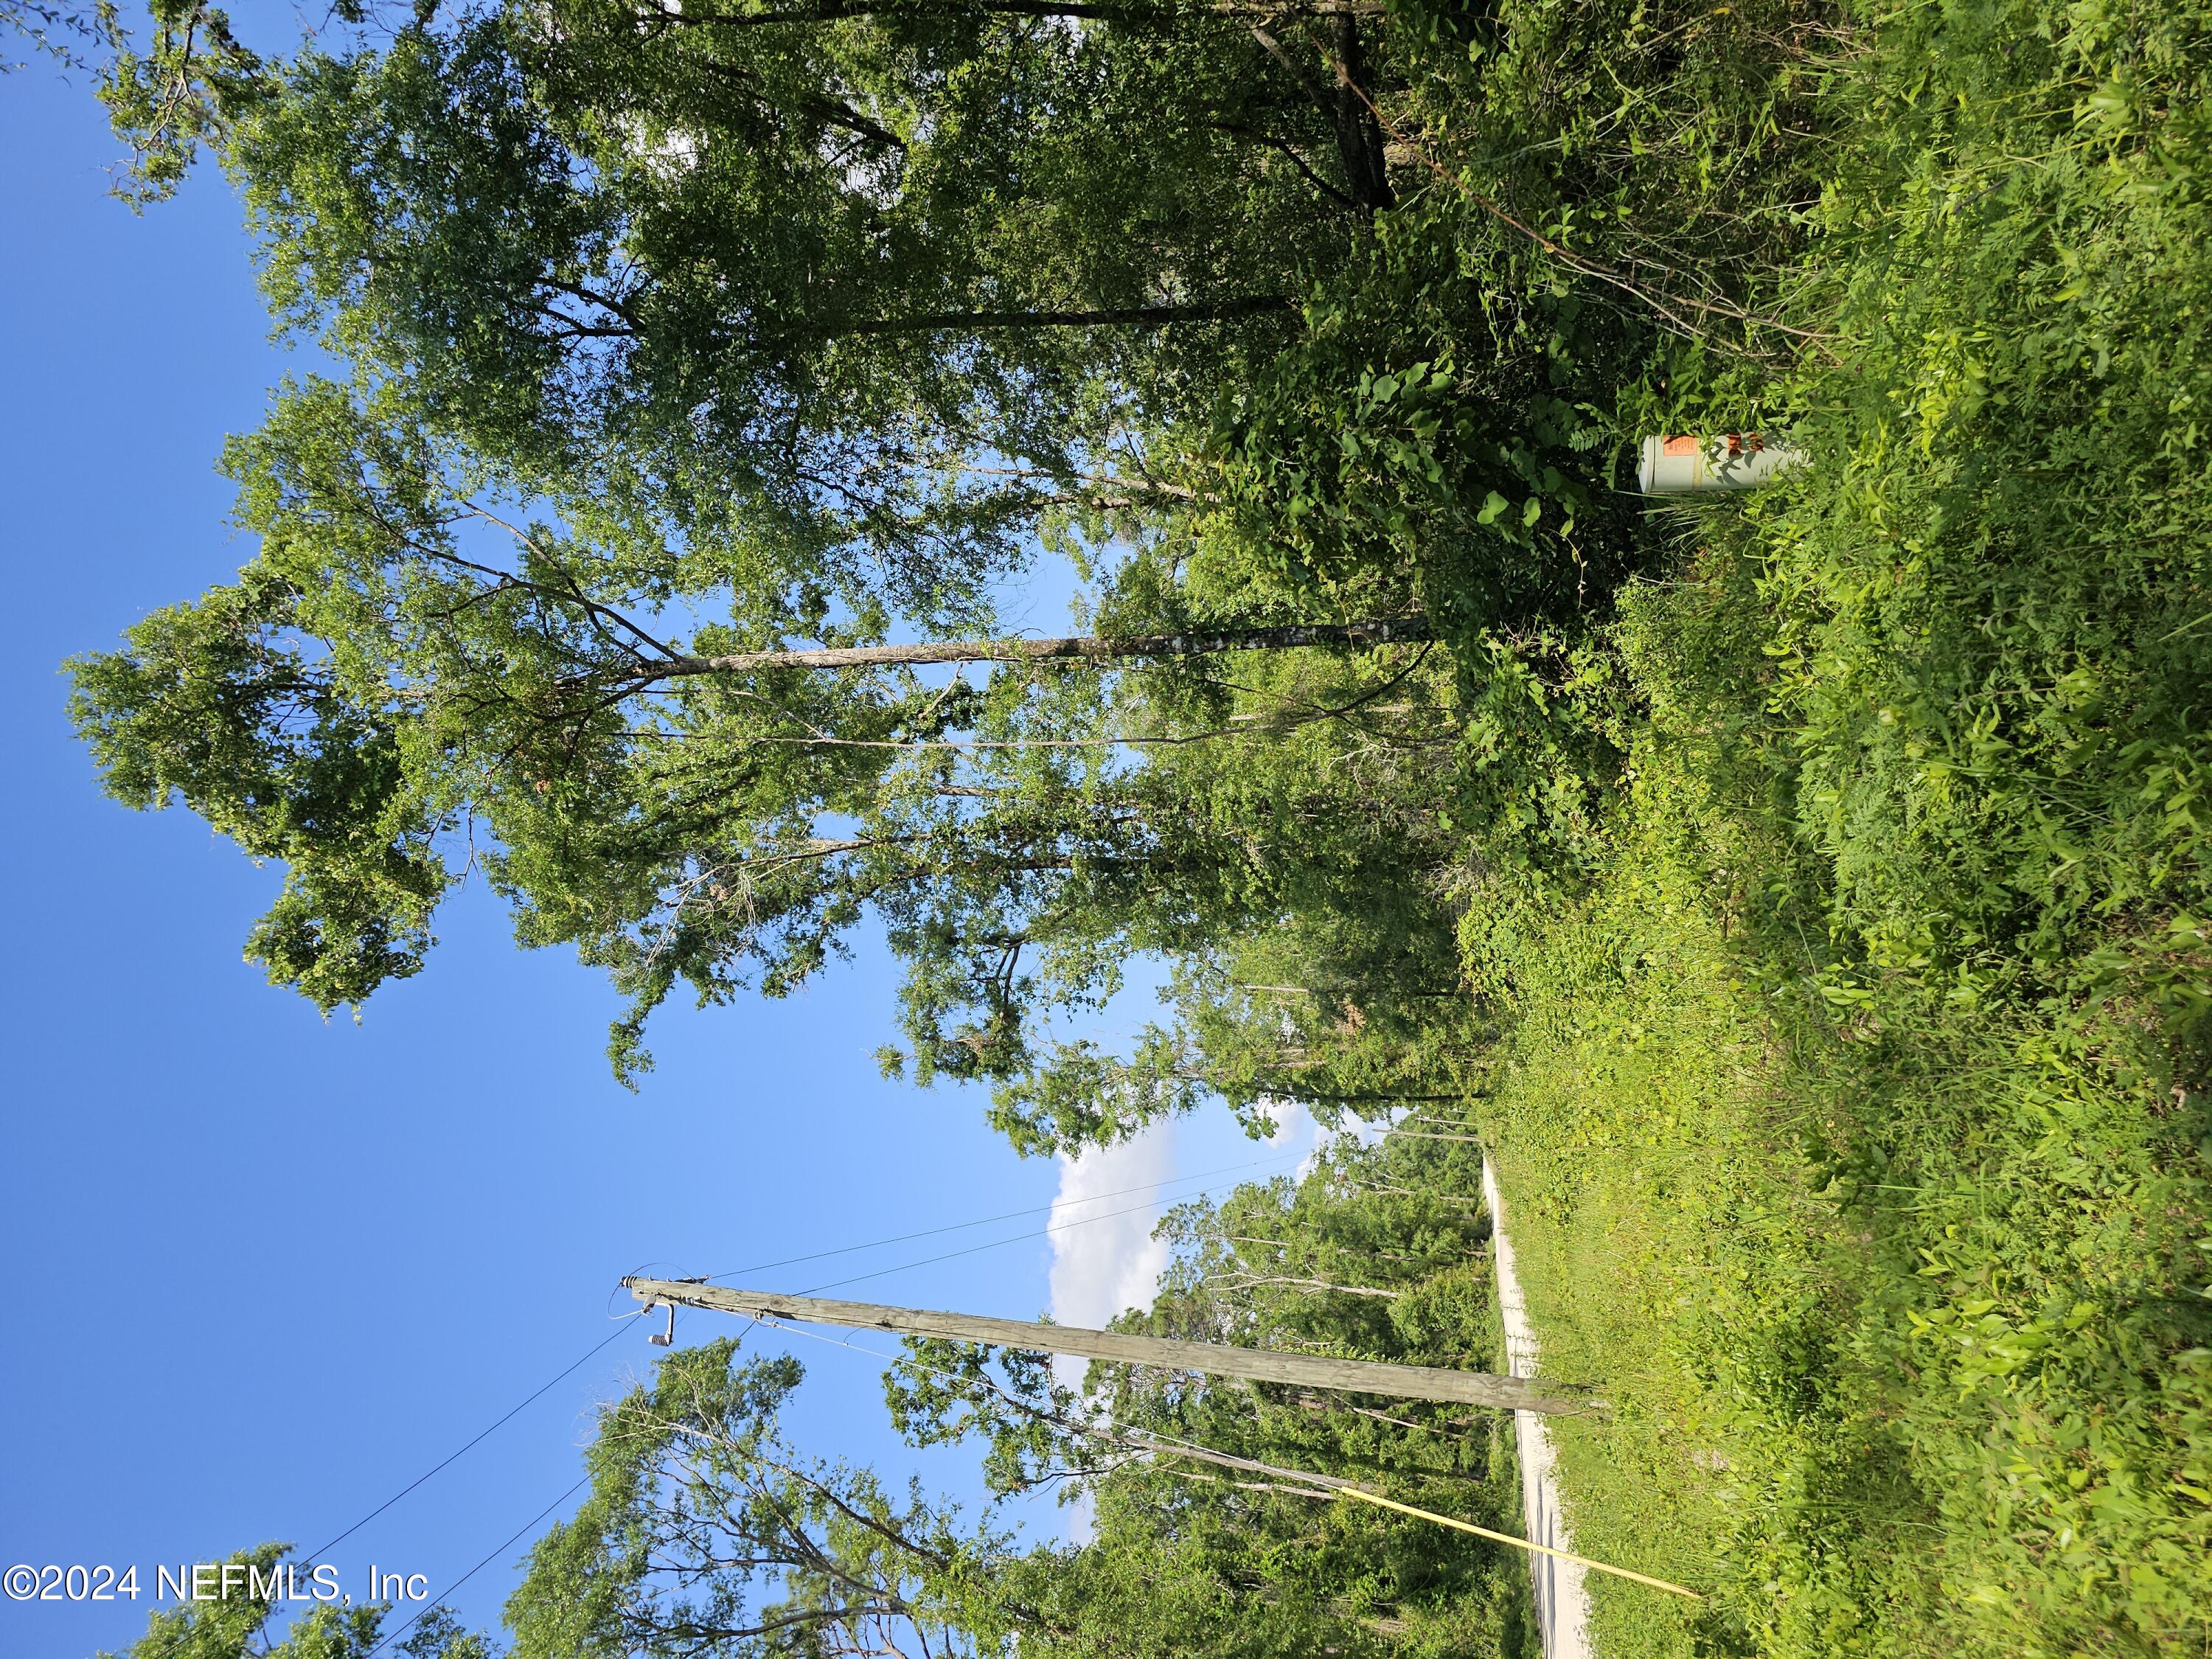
(1212, 311)
(1358, 136)
(1085, 647)
(833, 11)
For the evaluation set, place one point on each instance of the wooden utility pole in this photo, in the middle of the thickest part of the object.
(1215, 1359)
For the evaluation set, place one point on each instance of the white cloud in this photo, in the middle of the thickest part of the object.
(1294, 1130)
(1292, 1121)
(1112, 1262)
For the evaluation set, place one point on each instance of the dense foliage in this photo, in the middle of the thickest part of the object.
(632, 308)
(707, 1533)
(1864, 1091)
(249, 1618)
(1805, 895)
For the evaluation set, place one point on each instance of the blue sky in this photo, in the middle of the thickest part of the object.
(264, 1270)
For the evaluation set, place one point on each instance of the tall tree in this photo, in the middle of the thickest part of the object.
(248, 1621)
(707, 1533)
(679, 340)
(798, 285)
(380, 706)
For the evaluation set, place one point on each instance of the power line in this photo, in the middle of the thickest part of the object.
(440, 1600)
(996, 1243)
(962, 1226)
(878, 1273)
(419, 1479)
(596, 1347)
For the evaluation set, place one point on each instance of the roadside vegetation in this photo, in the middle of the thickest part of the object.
(1803, 896)
(1856, 1109)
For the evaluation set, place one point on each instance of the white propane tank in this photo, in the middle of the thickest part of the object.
(1737, 460)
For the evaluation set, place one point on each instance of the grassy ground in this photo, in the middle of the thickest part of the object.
(1854, 1106)
(1674, 1244)
(1900, 1294)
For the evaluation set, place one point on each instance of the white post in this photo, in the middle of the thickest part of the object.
(1737, 460)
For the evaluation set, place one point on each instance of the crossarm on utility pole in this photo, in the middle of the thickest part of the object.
(1214, 1358)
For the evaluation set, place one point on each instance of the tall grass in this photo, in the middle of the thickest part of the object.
(1858, 1106)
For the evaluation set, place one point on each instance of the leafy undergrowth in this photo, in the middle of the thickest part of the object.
(1676, 1245)
(1855, 1110)
(1898, 1318)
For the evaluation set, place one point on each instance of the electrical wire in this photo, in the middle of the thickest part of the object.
(962, 1226)
(1329, 1487)
(434, 1468)
(438, 1600)
(1168, 1444)
(999, 1243)
(592, 1352)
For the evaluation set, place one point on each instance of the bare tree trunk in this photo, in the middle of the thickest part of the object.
(1212, 311)
(1082, 648)
(1358, 136)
